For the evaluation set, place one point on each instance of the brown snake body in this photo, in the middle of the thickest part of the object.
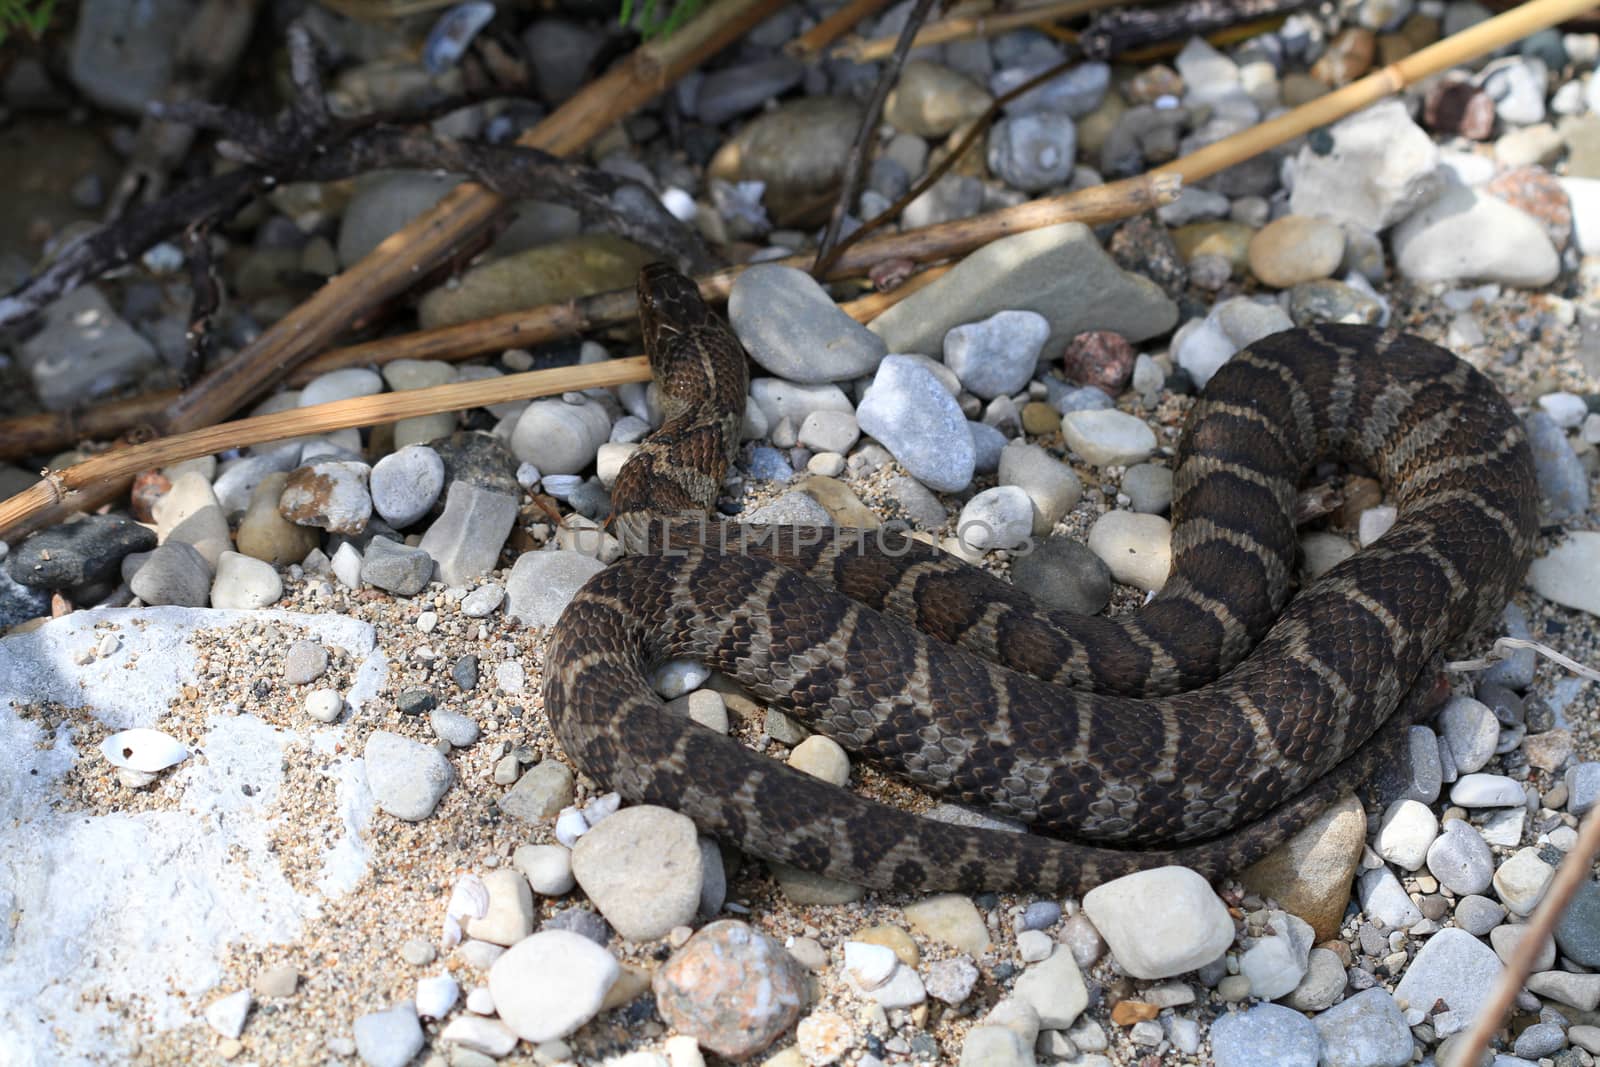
(959, 683)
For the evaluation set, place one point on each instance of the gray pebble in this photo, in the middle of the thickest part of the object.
(1487, 791)
(1452, 966)
(910, 412)
(1539, 1040)
(465, 673)
(998, 355)
(482, 601)
(542, 584)
(466, 538)
(1367, 1030)
(454, 727)
(1583, 787)
(1149, 488)
(1516, 670)
(1033, 152)
(1064, 573)
(987, 444)
(1267, 1033)
(1562, 479)
(407, 777)
(1471, 731)
(396, 568)
(406, 483)
(175, 573)
(306, 661)
(793, 329)
(1477, 915)
(1460, 859)
(1384, 900)
(389, 1038)
(581, 921)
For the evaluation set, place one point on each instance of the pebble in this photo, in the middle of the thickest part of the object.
(950, 919)
(1460, 859)
(548, 868)
(1563, 481)
(998, 355)
(407, 778)
(1295, 249)
(1065, 574)
(436, 995)
(77, 553)
(1581, 991)
(1323, 983)
(1033, 152)
(389, 1038)
(1054, 989)
(1384, 900)
(910, 412)
(454, 727)
(330, 495)
(930, 100)
(1578, 929)
(793, 329)
(465, 540)
(1149, 488)
(1137, 548)
(265, 534)
(824, 1037)
(542, 584)
(1477, 915)
(1160, 922)
(998, 518)
(1583, 787)
(396, 568)
(1467, 236)
(305, 661)
(1472, 732)
(829, 431)
(175, 573)
(548, 985)
(541, 793)
(1520, 881)
(406, 483)
(482, 601)
(1309, 875)
(1267, 1033)
(244, 583)
(1108, 437)
(560, 437)
(1380, 169)
(324, 705)
(1452, 966)
(1408, 828)
(731, 988)
(1486, 791)
(1278, 960)
(641, 868)
(84, 350)
(227, 1015)
(951, 980)
(734, 90)
(1075, 92)
(1059, 271)
(1367, 1030)
(490, 1037)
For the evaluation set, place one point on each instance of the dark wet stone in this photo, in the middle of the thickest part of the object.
(479, 459)
(78, 552)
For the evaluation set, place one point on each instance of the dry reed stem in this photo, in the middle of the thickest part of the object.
(830, 29)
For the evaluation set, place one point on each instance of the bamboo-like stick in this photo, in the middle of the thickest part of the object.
(824, 33)
(961, 27)
(1573, 871)
(65, 488)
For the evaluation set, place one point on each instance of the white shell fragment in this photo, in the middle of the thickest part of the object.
(143, 750)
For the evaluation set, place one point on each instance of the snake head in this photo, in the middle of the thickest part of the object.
(669, 304)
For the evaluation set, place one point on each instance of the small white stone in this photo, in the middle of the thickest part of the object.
(324, 705)
(436, 995)
(227, 1016)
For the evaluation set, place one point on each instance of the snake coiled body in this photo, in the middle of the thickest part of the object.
(959, 683)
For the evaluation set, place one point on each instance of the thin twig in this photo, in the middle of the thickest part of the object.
(1569, 876)
(856, 161)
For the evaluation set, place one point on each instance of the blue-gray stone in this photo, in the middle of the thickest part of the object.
(912, 415)
(1267, 1033)
(75, 553)
(1041, 915)
(1562, 480)
(987, 444)
(767, 464)
(18, 603)
(1365, 1031)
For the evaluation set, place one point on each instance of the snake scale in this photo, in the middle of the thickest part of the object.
(1202, 729)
